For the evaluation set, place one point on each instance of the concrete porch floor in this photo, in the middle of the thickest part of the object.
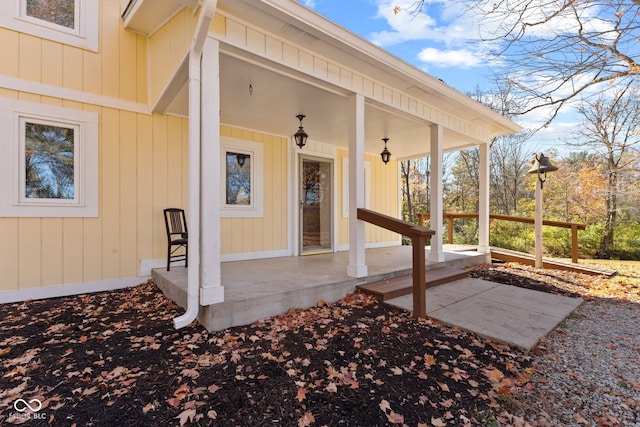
(257, 289)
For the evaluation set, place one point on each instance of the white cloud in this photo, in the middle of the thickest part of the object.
(461, 58)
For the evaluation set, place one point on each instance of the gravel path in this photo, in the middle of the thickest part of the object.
(589, 369)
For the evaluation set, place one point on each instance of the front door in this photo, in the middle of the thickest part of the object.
(316, 205)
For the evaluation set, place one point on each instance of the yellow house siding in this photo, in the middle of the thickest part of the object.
(269, 233)
(167, 48)
(9, 52)
(117, 70)
(383, 188)
(142, 169)
(9, 253)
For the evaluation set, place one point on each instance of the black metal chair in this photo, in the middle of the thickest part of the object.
(177, 236)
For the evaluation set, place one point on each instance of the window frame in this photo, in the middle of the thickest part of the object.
(256, 178)
(13, 117)
(78, 191)
(13, 15)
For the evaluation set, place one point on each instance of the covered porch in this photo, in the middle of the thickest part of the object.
(256, 289)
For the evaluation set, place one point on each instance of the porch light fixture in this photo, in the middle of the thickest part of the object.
(300, 136)
(386, 154)
(541, 165)
(241, 159)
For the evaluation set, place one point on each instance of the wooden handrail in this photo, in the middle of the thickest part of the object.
(418, 235)
(393, 224)
(572, 225)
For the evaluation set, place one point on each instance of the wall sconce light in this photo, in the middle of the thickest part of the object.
(241, 159)
(300, 136)
(541, 165)
(386, 154)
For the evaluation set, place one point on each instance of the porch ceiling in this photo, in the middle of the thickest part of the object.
(277, 96)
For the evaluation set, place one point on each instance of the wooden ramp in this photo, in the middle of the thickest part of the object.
(528, 259)
(391, 288)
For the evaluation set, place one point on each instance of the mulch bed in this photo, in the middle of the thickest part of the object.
(115, 359)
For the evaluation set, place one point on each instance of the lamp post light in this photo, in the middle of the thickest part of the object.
(386, 154)
(540, 165)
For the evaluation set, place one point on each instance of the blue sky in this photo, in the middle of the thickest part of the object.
(438, 41)
(434, 41)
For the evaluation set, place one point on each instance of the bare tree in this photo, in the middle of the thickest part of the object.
(563, 48)
(611, 128)
(509, 155)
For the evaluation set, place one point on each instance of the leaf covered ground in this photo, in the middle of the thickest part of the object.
(114, 359)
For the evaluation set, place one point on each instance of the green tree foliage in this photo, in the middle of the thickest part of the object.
(611, 129)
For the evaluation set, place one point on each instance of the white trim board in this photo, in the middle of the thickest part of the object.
(58, 291)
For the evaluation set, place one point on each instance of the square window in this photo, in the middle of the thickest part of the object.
(242, 178)
(51, 164)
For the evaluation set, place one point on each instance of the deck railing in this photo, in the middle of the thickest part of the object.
(418, 236)
(450, 217)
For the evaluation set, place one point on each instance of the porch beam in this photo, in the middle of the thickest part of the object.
(483, 205)
(357, 266)
(435, 202)
(211, 289)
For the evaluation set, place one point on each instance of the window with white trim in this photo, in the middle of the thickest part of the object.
(72, 22)
(242, 178)
(51, 166)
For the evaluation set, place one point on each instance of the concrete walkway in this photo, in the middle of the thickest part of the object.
(504, 313)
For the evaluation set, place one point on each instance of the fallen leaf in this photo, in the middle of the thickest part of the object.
(306, 420)
(148, 407)
(395, 418)
(187, 415)
(437, 422)
(302, 394)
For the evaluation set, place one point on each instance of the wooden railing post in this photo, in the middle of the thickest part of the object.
(419, 236)
(449, 227)
(419, 279)
(574, 243)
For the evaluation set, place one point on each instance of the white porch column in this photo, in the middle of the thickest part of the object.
(483, 205)
(357, 266)
(435, 202)
(211, 289)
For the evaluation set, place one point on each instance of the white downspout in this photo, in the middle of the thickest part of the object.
(193, 271)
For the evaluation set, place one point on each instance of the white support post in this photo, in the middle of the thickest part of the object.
(483, 205)
(436, 254)
(538, 224)
(357, 266)
(211, 289)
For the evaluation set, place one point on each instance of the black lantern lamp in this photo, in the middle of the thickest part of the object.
(241, 159)
(300, 136)
(541, 165)
(386, 154)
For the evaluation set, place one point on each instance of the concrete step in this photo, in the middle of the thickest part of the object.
(392, 288)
